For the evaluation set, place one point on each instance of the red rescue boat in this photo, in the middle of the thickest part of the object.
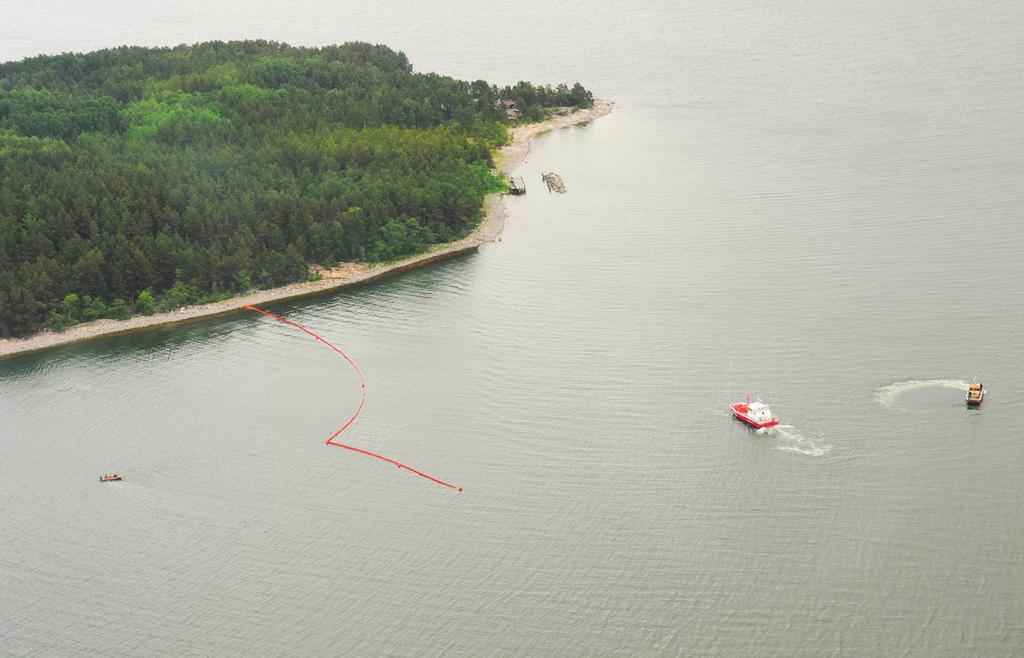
(756, 414)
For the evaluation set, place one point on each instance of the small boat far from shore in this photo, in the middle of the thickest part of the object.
(110, 478)
(975, 394)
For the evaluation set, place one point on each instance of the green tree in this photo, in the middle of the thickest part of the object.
(93, 309)
(119, 310)
(146, 303)
(180, 294)
(242, 281)
(165, 176)
(70, 309)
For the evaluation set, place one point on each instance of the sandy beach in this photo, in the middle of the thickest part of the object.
(351, 274)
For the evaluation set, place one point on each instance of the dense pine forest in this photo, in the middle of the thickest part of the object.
(134, 180)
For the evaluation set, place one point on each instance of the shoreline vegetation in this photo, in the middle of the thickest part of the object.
(140, 180)
(346, 275)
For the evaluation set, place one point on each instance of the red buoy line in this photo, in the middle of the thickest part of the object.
(362, 401)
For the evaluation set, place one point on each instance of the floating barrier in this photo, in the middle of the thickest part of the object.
(362, 401)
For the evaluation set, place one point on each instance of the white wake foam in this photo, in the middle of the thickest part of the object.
(796, 442)
(888, 395)
(789, 441)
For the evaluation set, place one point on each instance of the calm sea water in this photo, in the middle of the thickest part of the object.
(815, 203)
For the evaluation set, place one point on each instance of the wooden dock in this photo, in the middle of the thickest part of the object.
(516, 185)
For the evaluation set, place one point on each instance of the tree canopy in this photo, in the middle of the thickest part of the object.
(139, 179)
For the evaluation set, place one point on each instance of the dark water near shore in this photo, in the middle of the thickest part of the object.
(817, 204)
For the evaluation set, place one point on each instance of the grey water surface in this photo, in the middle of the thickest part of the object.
(817, 203)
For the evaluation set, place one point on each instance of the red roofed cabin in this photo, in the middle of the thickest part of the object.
(511, 111)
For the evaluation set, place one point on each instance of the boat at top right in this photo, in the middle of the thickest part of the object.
(975, 394)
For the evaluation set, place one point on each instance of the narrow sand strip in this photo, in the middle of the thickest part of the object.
(509, 158)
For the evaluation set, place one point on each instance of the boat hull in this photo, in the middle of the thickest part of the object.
(975, 395)
(738, 412)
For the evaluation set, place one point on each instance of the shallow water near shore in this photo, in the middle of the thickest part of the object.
(820, 207)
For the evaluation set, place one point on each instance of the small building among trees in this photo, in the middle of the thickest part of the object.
(510, 107)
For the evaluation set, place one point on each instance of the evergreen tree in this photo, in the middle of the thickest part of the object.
(155, 178)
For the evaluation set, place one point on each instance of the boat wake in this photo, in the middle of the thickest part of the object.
(888, 396)
(796, 442)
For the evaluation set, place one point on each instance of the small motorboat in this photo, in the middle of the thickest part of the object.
(975, 394)
(756, 414)
(110, 478)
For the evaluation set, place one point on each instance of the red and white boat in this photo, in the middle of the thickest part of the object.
(756, 414)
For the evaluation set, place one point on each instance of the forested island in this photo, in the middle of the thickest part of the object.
(135, 180)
